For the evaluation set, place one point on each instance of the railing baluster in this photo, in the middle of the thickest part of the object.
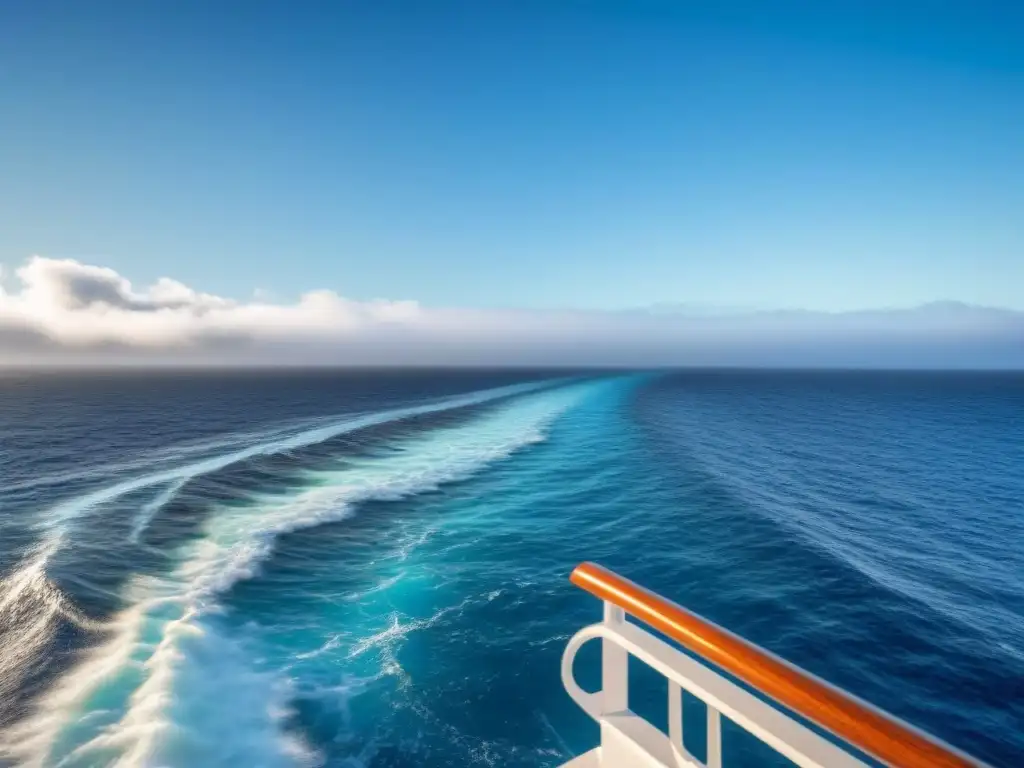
(614, 665)
(714, 738)
(675, 720)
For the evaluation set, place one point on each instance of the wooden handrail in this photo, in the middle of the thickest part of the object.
(863, 726)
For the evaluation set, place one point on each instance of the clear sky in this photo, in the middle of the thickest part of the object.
(823, 155)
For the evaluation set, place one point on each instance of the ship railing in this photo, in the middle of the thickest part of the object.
(862, 735)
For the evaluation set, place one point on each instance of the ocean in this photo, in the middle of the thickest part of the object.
(370, 568)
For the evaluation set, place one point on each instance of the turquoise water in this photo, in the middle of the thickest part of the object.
(373, 572)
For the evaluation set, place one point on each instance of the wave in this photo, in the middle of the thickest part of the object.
(382, 586)
(149, 510)
(32, 610)
(171, 652)
(58, 516)
(37, 614)
(167, 457)
(56, 523)
(853, 538)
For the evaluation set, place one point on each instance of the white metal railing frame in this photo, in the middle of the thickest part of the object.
(623, 732)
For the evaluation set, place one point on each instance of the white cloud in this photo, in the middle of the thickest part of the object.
(61, 310)
(78, 304)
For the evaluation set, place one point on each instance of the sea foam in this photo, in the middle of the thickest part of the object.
(173, 686)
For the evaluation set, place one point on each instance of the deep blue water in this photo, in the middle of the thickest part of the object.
(370, 569)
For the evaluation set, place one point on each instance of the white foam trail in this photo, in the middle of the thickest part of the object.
(148, 511)
(397, 630)
(381, 586)
(169, 455)
(236, 542)
(240, 710)
(181, 693)
(55, 519)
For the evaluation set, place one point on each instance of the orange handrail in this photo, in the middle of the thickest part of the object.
(863, 726)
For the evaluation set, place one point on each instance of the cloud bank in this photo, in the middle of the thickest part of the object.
(61, 311)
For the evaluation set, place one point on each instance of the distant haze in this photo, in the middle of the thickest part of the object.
(62, 311)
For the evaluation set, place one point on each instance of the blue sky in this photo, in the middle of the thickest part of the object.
(827, 156)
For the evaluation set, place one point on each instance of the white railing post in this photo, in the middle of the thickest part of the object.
(714, 738)
(614, 665)
(675, 721)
